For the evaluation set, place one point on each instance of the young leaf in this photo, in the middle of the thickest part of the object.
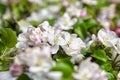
(80, 29)
(100, 55)
(64, 68)
(8, 37)
(67, 61)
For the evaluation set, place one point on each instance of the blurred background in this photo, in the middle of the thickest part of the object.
(91, 14)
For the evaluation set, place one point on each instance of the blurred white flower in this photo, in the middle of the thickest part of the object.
(76, 10)
(105, 15)
(46, 76)
(23, 25)
(36, 1)
(39, 63)
(7, 14)
(54, 75)
(33, 56)
(22, 41)
(88, 70)
(3, 1)
(108, 38)
(65, 22)
(45, 13)
(90, 2)
(118, 76)
(6, 76)
(77, 58)
(65, 3)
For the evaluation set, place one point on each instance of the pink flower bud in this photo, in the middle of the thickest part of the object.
(118, 31)
(15, 70)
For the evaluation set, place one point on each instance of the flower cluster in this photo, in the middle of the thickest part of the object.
(59, 40)
(36, 47)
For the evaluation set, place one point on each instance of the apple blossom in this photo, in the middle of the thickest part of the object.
(65, 22)
(6, 76)
(90, 2)
(74, 45)
(36, 1)
(88, 70)
(45, 13)
(108, 38)
(23, 25)
(16, 70)
(39, 63)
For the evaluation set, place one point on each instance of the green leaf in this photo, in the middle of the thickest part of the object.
(51, 21)
(110, 76)
(64, 68)
(90, 23)
(8, 37)
(102, 3)
(107, 66)
(23, 77)
(2, 9)
(67, 61)
(80, 29)
(4, 65)
(34, 23)
(1, 47)
(100, 55)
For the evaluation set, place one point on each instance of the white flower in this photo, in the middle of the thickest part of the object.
(54, 75)
(33, 16)
(46, 76)
(115, 50)
(108, 12)
(108, 38)
(63, 38)
(54, 49)
(7, 14)
(23, 25)
(57, 38)
(74, 9)
(36, 1)
(6, 76)
(77, 58)
(34, 36)
(4, 1)
(65, 22)
(90, 2)
(88, 70)
(74, 45)
(39, 63)
(22, 45)
(33, 56)
(94, 38)
(45, 13)
(22, 41)
(118, 76)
